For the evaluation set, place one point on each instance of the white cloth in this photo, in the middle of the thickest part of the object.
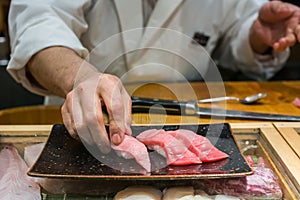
(91, 28)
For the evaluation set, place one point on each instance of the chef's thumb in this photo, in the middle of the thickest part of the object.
(116, 132)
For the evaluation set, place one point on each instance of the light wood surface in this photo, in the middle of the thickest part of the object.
(290, 132)
(285, 156)
(279, 101)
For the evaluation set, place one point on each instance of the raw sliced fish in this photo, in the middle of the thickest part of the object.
(188, 138)
(199, 145)
(263, 184)
(181, 147)
(32, 152)
(187, 159)
(14, 182)
(168, 146)
(131, 148)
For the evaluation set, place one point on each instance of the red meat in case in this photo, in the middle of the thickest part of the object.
(263, 184)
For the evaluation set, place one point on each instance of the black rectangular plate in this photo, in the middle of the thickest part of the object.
(65, 157)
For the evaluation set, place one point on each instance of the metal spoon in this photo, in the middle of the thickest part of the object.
(247, 100)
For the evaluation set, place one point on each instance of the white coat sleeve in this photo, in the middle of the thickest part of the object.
(35, 25)
(238, 55)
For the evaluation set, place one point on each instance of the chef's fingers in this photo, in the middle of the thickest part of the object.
(117, 104)
(115, 109)
(297, 33)
(80, 119)
(92, 117)
(68, 119)
(73, 105)
(72, 117)
(285, 42)
(127, 109)
(291, 38)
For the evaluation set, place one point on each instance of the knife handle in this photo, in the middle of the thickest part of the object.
(141, 101)
(141, 104)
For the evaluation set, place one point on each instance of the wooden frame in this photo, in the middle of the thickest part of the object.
(290, 152)
(280, 153)
(274, 139)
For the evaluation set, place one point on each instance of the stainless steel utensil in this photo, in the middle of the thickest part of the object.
(247, 100)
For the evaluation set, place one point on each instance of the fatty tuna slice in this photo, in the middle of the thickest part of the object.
(131, 148)
(14, 182)
(199, 145)
(168, 146)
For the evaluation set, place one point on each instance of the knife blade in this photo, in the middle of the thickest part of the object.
(173, 107)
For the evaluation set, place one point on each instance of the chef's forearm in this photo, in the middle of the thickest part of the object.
(55, 69)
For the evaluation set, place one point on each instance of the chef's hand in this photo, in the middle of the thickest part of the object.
(62, 72)
(82, 110)
(277, 27)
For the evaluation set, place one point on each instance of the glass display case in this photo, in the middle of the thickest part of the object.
(265, 140)
(275, 143)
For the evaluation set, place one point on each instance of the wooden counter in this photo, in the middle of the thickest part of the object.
(279, 100)
(277, 141)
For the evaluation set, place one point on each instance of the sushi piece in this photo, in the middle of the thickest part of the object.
(131, 148)
(181, 147)
(168, 146)
(199, 145)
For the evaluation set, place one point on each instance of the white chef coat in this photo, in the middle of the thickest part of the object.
(92, 28)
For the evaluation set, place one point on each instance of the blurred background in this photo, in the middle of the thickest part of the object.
(13, 94)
